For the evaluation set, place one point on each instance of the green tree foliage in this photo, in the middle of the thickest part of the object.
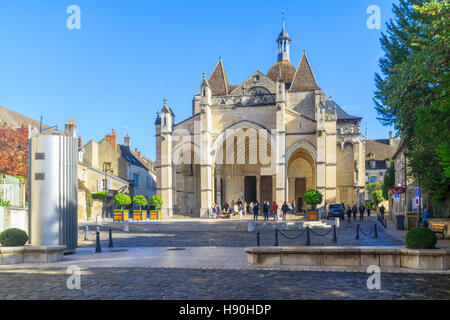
(122, 199)
(412, 92)
(156, 201)
(313, 197)
(377, 197)
(389, 181)
(140, 201)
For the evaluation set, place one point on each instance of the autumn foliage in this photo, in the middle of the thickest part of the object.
(14, 151)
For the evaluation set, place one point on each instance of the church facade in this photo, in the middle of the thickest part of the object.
(271, 138)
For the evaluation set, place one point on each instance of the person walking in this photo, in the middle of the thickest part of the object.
(266, 209)
(275, 210)
(361, 212)
(294, 207)
(255, 211)
(368, 211)
(214, 211)
(425, 216)
(354, 210)
(349, 214)
(284, 209)
(382, 210)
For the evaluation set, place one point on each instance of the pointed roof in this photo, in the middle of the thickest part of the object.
(218, 81)
(304, 78)
(166, 108)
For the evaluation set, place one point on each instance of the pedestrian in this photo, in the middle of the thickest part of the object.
(349, 213)
(284, 210)
(368, 211)
(275, 210)
(255, 211)
(361, 212)
(266, 209)
(294, 207)
(382, 210)
(425, 217)
(214, 211)
(354, 210)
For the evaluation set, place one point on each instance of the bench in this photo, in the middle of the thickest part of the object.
(439, 228)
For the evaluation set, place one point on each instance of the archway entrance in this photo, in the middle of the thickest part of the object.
(301, 176)
(250, 189)
(266, 188)
(300, 190)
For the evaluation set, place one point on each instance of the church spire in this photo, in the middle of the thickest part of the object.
(283, 43)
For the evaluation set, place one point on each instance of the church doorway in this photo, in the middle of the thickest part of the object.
(266, 188)
(300, 190)
(250, 189)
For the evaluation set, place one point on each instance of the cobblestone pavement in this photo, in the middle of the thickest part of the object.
(144, 237)
(146, 283)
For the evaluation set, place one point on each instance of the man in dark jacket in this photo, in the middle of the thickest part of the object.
(382, 210)
(255, 211)
(266, 209)
(285, 209)
(354, 210)
(349, 213)
(361, 212)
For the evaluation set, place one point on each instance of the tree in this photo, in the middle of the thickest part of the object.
(313, 197)
(122, 199)
(412, 95)
(14, 151)
(140, 201)
(389, 181)
(377, 197)
(156, 201)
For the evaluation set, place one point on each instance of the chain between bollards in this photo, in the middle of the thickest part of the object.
(357, 232)
(258, 239)
(308, 240)
(98, 248)
(334, 234)
(110, 243)
(276, 237)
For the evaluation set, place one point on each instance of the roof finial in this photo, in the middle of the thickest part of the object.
(165, 101)
(204, 75)
(283, 19)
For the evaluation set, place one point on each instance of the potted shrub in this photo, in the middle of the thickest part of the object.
(140, 201)
(155, 202)
(122, 200)
(420, 238)
(312, 198)
(13, 238)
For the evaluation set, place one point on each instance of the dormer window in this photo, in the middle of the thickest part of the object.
(388, 163)
(256, 78)
(372, 164)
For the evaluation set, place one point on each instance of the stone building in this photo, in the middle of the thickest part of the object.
(379, 153)
(272, 137)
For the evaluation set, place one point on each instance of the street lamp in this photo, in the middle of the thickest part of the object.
(105, 187)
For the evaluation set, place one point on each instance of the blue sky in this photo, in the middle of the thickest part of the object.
(128, 55)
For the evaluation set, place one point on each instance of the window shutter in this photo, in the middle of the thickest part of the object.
(99, 185)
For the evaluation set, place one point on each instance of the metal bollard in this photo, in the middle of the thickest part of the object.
(86, 234)
(98, 248)
(357, 232)
(334, 234)
(308, 240)
(110, 243)
(258, 240)
(338, 222)
(376, 232)
(276, 237)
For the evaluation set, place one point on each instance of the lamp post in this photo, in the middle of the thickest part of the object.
(105, 187)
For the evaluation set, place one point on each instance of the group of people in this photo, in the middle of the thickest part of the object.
(240, 208)
(362, 209)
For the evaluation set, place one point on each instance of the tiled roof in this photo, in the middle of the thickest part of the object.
(304, 78)
(218, 81)
(382, 149)
(128, 155)
(13, 119)
(342, 115)
(287, 71)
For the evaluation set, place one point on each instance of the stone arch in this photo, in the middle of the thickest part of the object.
(301, 171)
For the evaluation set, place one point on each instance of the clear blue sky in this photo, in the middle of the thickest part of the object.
(128, 55)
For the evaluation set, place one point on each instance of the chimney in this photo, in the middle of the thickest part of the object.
(390, 135)
(80, 143)
(127, 141)
(112, 138)
(70, 129)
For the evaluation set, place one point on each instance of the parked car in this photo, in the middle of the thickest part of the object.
(336, 211)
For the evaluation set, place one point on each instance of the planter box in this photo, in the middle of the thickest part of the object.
(313, 215)
(140, 215)
(155, 215)
(31, 254)
(118, 216)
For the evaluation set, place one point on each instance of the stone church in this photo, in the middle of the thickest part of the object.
(271, 138)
